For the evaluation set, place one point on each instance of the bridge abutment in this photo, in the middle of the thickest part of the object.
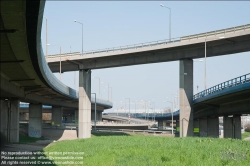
(84, 114)
(35, 120)
(232, 127)
(9, 115)
(57, 115)
(186, 97)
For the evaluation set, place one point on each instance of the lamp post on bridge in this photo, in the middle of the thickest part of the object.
(172, 116)
(95, 112)
(169, 20)
(99, 86)
(205, 62)
(200, 60)
(128, 106)
(153, 109)
(82, 33)
(60, 59)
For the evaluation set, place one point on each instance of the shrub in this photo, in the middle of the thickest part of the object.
(247, 127)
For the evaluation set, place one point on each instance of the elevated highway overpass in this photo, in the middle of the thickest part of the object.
(26, 77)
(219, 42)
(229, 99)
(185, 49)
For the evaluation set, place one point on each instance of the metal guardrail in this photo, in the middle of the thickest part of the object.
(224, 85)
(159, 42)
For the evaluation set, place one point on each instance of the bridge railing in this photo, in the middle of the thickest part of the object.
(217, 32)
(160, 42)
(147, 115)
(112, 122)
(224, 85)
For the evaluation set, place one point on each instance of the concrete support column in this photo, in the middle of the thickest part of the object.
(203, 127)
(213, 127)
(57, 115)
(84, 119)
(232, 127)
(99, 116)
(237, 126)
(9, 115)
(35, 120)
(186, 97)
(160, 124)
(228, 127)
(76, 115)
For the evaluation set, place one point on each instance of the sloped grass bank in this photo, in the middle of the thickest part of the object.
(126, 150)
(245, 135)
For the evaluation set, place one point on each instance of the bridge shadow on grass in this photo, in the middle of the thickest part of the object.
(110, 134)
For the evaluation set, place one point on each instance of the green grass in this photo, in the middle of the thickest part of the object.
(245, 135)
(137, 150)
(23, 139)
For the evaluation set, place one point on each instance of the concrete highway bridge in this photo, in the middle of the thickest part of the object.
(185, 49)
(25, 75)
(229, 99)
(68, 114)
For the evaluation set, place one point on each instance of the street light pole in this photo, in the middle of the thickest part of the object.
(95, 111)
(128, 105)
(46, 38)
(60, 60)
(172, 116)
(205, 72)
(99, 86)
(82, 33)
(169, 20)
(60, 64)
(205, 63)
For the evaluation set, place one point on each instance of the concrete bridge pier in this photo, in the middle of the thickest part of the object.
(160, 124)
(9, 116)
(186, 97)
(35, 120)
(209, 127)
(99, 116)
(57, 115)
(232, 127)
(203, 127)
(76, 115)
(84, 114)
(213, 127)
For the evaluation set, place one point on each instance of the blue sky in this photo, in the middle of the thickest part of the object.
(118, 23)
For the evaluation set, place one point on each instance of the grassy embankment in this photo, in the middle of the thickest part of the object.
(245, 135)
(138, 150)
